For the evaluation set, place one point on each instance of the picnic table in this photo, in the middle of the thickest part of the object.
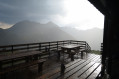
(69, 48)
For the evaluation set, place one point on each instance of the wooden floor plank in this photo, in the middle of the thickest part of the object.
(84, 75)
(55, 71)
(95, 73)
(67, 69)
(79, 67)
(71, 67)
(73, 62)
(81, 71)
(73, 71)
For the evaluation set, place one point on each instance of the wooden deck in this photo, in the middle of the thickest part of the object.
(51, 68)
(87, 68)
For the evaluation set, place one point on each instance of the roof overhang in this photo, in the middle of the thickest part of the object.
(100, 5)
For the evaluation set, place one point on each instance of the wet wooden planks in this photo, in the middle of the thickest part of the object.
(79, 69)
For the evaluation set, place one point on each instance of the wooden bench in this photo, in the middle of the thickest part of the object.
(79, 69)
(23, 65)
(30, 58)
(48, 54)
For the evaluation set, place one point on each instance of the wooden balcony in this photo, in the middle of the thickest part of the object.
(86, 67)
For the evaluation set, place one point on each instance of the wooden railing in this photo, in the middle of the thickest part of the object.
(43, 46)
(83, 45)
(101, 48)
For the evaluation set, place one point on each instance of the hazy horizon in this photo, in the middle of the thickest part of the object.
(54, 23)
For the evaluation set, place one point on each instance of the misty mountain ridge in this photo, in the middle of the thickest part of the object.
(33, 32)
(93, 36)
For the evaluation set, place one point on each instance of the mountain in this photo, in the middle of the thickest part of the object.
(32, 32)
(93, 36)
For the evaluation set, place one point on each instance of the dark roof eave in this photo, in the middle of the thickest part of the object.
(99, 5)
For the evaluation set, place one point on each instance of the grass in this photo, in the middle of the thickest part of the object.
(96, 52)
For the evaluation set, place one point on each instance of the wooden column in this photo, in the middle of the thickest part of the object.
(0, 65)
(105, 45)
(113, 62)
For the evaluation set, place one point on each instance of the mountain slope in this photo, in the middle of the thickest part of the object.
(32, 32)
(93, 36)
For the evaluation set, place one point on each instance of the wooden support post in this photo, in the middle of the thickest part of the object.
(36, 57)
(70, 42)
(81, 54)
(28, 58)
(49, 46)
(57, 45)
(58, 52)
(12, 59)
(40, 67)
(72, 57)
(62, 68)
(27, 47)
(49, 50)
(39, 46)
(12, 49)
(85, 46)
(0, 65)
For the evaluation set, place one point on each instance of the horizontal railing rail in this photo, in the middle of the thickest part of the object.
(43, 46)
(101, 47)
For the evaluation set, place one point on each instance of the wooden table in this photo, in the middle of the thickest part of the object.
(68, 48)
(19, 55)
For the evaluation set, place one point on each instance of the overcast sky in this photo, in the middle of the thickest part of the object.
(79, 14)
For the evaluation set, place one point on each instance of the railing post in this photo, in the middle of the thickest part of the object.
(39, 46)
(49, 49)
(86, 46)
(49, 46)
(70, 41)
(12, 49)
(57, 45)
(27, 47)
(63, 42)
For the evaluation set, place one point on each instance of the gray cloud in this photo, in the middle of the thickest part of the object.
(12, 11)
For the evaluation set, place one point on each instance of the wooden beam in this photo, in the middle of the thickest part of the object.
(100, 6)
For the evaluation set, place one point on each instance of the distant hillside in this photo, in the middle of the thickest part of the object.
(32, 32)
(93, 36)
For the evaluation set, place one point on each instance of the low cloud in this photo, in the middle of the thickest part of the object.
(13, 11)
(79, 14)
(5, 25)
